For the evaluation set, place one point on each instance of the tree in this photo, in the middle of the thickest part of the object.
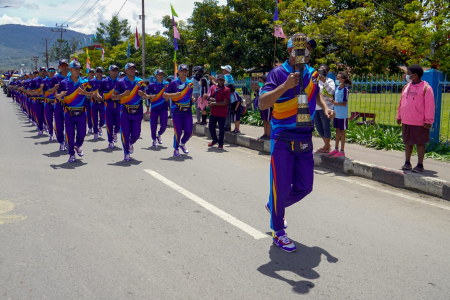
(113, 33)
(66, 50)
(373, 36)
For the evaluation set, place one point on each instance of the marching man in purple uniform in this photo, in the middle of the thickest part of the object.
(158, 108)
(72, 92)
(129, 91)
(49, 105)
(292, 163)
(105, 91)
(38, 89)
(88, 103)
(59, 110)
(181, 109)
(97, 104)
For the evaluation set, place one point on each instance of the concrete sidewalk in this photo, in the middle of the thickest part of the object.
(379, 165)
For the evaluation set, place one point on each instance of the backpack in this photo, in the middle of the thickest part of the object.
(424, 88)
(242, 105)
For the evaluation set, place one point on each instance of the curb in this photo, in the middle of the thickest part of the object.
(411, 181)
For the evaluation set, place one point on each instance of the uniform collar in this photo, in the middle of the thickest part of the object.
(109, 78)
(288, 68)
(70, 80)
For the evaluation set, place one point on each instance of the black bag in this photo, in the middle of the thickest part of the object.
(76, 111)
(132, 109)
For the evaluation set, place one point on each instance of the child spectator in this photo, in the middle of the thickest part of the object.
(235, 108)
(340, 122)
(322, 123)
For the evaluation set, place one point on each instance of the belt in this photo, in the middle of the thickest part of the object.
(38, 98)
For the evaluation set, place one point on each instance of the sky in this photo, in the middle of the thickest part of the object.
(51, 12)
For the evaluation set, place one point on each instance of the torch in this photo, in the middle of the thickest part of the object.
(299, 41)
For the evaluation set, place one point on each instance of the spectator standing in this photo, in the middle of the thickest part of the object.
(236, 102)
(202, 99)
(198, 74)
(322, 123)
(226, 71)
(266, 114)
(416, 114)
(219, 110)
(340, 122)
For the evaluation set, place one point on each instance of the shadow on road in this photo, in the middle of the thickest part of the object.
(157, 148)
(180, 158)
(108, 150)
(69, 166)
(47, 142)
(301, 263)
(35, 137)
(56, 154)
(122, 163)
(215, 150)
(95, 140)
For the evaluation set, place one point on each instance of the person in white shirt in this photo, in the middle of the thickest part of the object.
(321, 122)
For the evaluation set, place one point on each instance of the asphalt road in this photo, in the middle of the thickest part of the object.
(196, 227)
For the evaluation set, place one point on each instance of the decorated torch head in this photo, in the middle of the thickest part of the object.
(299, 41)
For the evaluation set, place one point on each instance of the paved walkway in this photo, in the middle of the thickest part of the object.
(383, 158)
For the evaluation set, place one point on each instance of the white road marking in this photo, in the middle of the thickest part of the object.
(215, 210)
(376, 187)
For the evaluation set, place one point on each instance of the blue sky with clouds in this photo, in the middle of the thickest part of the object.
(49, 12)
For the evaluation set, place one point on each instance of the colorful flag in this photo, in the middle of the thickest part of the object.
(173, 11)
(278, 32)
(136, 40)
(76, 57)
(128, 50)
(176, 34)
(175, 44)
(175, 56)
(103, 54)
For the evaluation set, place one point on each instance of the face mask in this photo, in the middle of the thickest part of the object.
(408, 78)
(260, 84)
(337, 82)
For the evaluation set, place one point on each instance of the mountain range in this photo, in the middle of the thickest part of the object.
(19, 43)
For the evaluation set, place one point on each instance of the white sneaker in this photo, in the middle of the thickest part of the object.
(62, 146)
(72, 159)
(154, 144)
(158, 137)
(79, 151)
(100, 131)
(115, 138)
(184, 149)
(131, 149)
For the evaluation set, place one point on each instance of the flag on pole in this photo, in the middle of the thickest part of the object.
(275, 15)
(278, 32)
(176, 34)
(128, 50)
(176, 70)
(88, 61)
(76, 57)
(136, 40)
(173, 11)
(175, 44)
(103, 54)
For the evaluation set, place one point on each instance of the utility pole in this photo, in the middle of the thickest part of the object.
(60, 29)
(142, 17)
(35, 59)
(46, 51)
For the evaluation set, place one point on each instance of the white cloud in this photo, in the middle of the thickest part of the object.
(5, 19)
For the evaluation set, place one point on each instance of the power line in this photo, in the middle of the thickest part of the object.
(121, 8)
(85, 21)
(76, 12)
(88, 12)
(60, 29)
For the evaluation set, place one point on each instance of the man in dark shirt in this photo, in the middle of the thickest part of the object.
(219, 109)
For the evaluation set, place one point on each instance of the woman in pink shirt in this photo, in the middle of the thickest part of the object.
(416, 114)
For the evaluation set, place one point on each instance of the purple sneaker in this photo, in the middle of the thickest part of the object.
(72, 159)
(184, 148)
(127, 157)
(131, 149)
(90, 131)
(62, 147)
(40, 132)
(52, 138)
(100, 131)
(111, 145)
(95, 136)
(154, 144)
(176, 153)
(158, 137)
(115, 138)
(281, 240)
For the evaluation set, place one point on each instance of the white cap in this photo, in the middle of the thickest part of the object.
(227, 67)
